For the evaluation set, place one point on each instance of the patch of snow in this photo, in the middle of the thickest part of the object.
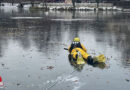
(72, 19)
(26, 17)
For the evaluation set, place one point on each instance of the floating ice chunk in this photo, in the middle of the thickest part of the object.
(72, 79)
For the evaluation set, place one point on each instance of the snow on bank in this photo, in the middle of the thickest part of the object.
(72, 19)
(9, 7)
(26, 17)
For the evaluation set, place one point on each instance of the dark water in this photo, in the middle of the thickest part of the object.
(32, 55)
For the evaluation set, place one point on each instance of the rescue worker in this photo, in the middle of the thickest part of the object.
(76, 47)
(76, 44)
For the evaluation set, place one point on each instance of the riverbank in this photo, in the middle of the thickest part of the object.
(67, 7)
(32, 55)
(78, 6)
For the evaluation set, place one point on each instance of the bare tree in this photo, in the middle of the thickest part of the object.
(73, 2)
(44, 2)
(1, 1)
(12, 2)
(97, 1)
(32, 3)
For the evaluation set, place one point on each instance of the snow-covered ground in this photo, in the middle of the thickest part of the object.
(9, 7)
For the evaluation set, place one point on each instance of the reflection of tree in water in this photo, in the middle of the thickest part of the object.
(125, 48)
(121, 41)
(4, 33)
(46, 33)
(3, 42)
(74, 29)
(116, 32)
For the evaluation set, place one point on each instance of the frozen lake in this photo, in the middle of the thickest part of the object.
(32, 55)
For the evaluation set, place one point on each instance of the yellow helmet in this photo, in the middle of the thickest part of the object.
(76, 39)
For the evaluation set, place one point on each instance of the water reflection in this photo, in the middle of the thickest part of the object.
(47, 34)
(38, 43)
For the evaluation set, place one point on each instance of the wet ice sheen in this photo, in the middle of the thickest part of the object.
(26, 17)
(65, 79)
(72, 19)
(29, 42)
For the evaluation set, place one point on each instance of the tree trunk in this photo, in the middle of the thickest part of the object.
(20, 5)
(12, 2)
(45, 3)
(97, 1)
(32, 3)
(73, 2)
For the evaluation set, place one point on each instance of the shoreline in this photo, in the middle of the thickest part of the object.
(68, 7)
(78, 9)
